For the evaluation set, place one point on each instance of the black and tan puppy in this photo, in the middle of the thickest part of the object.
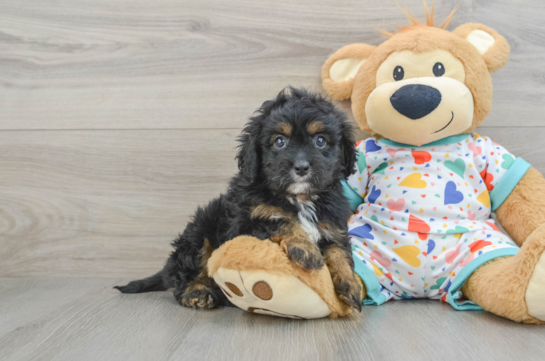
(292, 156)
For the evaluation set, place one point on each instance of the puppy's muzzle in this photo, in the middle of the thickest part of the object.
(301, 168)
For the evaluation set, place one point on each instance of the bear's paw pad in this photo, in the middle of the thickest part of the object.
(271, 294)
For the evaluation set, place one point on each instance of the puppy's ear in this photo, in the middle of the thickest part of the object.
(249, 152)
(349, 155)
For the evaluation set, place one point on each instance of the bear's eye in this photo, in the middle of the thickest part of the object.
(399, 73)
(438, 69)
(280, 142)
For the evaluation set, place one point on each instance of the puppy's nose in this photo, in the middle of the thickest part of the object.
(415, 100)
(301, 167)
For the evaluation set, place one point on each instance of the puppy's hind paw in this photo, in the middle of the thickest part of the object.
(199, 296)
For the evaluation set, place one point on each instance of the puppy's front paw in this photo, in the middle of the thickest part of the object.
(199, 296)
(349, 291)
(305, 254)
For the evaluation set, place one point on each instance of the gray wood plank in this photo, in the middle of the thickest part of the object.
(108, 203)
(98, 323)
(101, 64)
(70, 198)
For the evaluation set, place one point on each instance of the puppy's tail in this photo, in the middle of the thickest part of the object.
(150, 284)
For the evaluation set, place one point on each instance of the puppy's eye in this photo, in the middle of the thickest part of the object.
(280, 142)
(320, 142)
(438, 69)
(399, 73)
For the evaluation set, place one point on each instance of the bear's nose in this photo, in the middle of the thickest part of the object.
(415, 100)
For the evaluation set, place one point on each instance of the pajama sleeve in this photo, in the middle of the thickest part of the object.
(500, 170)
(355, 187)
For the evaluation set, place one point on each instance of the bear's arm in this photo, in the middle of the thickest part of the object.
(524, 209)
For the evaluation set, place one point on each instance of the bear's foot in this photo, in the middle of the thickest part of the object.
(269, 294)
(513, 287)
(258, 276)
(535, 293)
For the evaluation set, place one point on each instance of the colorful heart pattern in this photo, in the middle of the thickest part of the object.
(475, 149)
(385, 262)
(396, 205)
(484, 198)
(409, 254)
(380, 169)
(421, 157)
(452, 196)
(438, 283)
(362, 232)
(431, 246)
(372, 146)
(477, 246)
(451, 256)
(488, 179)
(413, 181)
(508, 161)
(419, 226)
(362, 164)
(392, 152)
(458, 166)
(373, 196)
(426, 213)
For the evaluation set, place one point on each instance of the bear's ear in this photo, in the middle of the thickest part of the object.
(340, 69)
(492, 46)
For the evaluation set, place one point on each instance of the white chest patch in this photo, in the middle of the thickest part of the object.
(308, 220)
(298, 188)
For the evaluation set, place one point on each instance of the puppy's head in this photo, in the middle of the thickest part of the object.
(297, 143)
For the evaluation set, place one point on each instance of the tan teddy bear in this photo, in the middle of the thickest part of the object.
(424, 189)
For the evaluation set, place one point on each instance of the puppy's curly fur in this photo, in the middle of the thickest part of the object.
(293, 154)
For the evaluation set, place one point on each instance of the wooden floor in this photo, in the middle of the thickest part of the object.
(119, 117)
(84, 319)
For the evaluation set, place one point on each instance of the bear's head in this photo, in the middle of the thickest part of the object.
(423, 84)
